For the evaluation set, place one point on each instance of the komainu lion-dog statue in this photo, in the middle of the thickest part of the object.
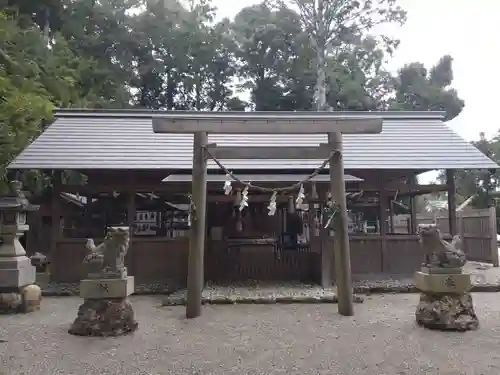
(108, 259)
(438, 252)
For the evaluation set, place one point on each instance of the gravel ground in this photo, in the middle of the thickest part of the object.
(382, 338)
(260, 293)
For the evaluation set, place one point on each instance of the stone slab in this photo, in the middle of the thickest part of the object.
(441, 270)
(16, 272)
(107, 288)
(443, 283)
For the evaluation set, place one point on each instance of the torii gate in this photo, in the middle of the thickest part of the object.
(201, 123)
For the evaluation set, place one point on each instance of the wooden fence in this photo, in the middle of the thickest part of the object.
(476, 227)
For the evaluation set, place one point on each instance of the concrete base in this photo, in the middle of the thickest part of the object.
(27, 299)
(104, 317)
(16, 272)
(107, 288)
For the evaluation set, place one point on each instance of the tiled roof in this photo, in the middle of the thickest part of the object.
(125, 140)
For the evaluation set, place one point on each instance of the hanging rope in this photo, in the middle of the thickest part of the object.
(295, 186)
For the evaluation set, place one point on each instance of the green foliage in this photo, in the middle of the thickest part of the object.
(24, 101)
(420, 90)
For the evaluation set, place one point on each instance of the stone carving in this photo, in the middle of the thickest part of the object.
(438, 252)
(40, 262)
(445, 299)
(106, 310)
(108, 259)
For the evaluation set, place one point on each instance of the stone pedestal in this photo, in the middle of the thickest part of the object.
(106, 310)
(445, 300)
(18, 294)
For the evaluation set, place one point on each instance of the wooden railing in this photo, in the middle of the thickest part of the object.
(164, 259)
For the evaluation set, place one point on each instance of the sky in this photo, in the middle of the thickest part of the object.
(466, 30)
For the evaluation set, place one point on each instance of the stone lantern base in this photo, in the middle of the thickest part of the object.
(106, 310)
(445, 300)
(24, 300)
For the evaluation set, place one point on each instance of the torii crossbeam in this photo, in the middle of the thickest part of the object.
(201, 123)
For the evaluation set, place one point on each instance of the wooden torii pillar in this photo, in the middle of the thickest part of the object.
(201, 123)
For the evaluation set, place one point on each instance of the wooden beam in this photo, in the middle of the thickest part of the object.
(341, 241)
(185, 187)
(284, 124)
(320, 152)
(195, 277)
(452, 201)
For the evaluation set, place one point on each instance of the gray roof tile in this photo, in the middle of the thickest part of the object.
(86, 141)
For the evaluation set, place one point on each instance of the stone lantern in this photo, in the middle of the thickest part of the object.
(17, 275)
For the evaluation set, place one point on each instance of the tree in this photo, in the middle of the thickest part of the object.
(25, 104)
(42, 67)
(337, 27)
(417, 89)
(182, 59)
(268, 42)
(356, 78)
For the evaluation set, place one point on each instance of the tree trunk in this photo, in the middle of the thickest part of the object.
(319, 43)
(321, 104)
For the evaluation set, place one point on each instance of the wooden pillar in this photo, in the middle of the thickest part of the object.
(452, 202)
(341, 241)
(413, 206)
(391, 217)
(88, 216)
(327, 251)
(131, 209)
(197, 239)
(55, 229)
(493, 232)
(413, 215)
(383, 218)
